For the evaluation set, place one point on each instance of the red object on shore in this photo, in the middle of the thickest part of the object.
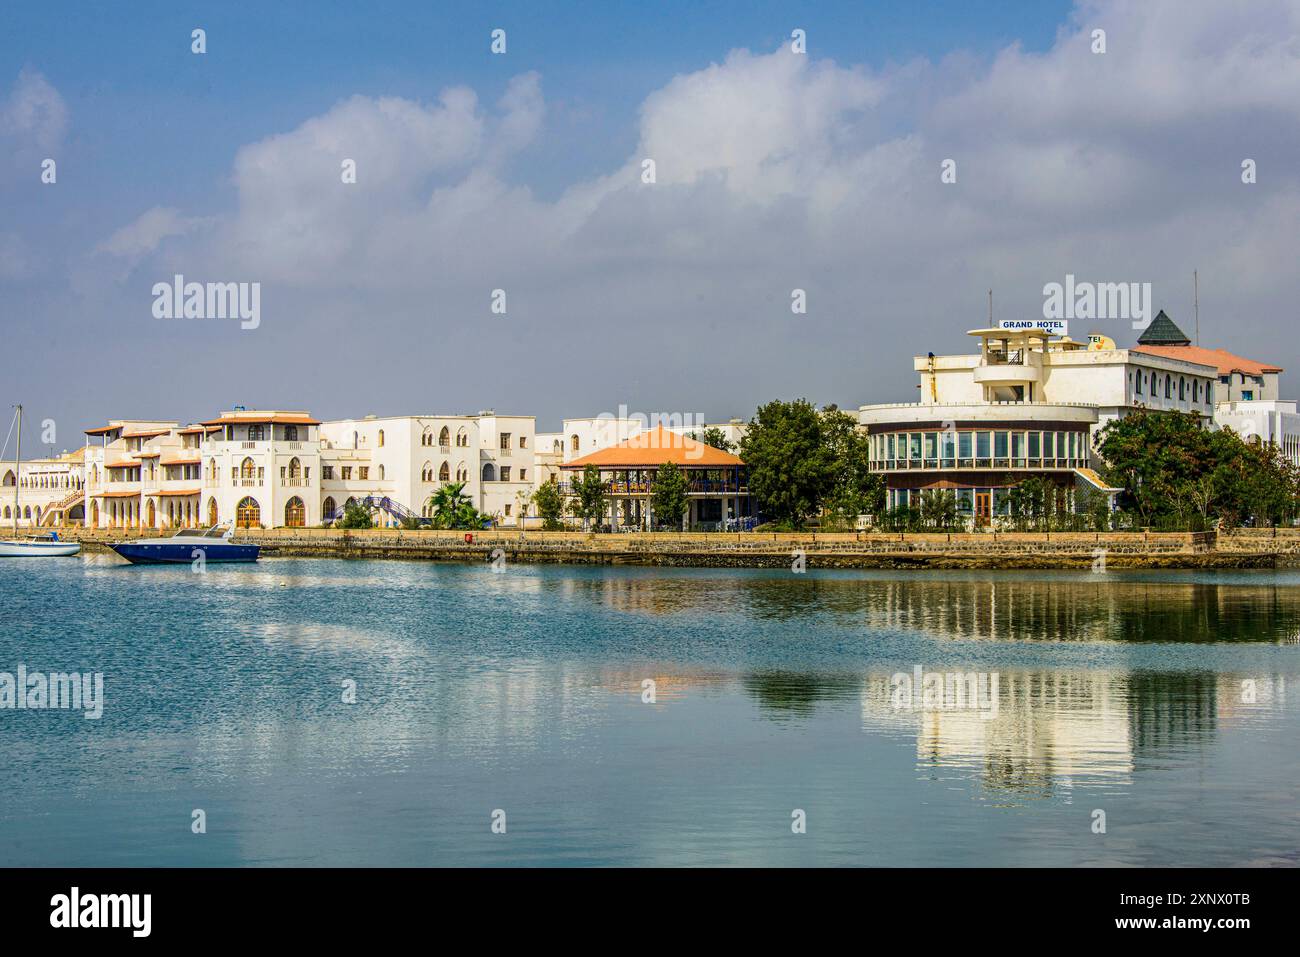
(469, 538)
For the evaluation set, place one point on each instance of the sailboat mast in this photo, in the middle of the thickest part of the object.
(18, 467)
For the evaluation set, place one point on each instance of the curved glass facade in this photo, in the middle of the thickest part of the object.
(980, 449)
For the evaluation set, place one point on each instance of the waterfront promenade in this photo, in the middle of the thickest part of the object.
(1243, 548)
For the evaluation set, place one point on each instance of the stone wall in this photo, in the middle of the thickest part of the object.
(775, 550)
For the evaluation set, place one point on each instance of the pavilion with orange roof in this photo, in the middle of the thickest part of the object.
(717, 483)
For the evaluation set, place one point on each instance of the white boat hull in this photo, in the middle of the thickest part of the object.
(38, 549)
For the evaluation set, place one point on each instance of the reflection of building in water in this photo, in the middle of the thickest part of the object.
(1166, 709)
(1097, 608)
(1047, 726)
(1240, 695)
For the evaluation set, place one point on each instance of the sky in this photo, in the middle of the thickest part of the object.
(523, 171)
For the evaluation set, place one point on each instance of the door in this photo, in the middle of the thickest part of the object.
(983, 508)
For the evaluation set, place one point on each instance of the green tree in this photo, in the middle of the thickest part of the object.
(668, 495)
(715, 437)
(590, 490)
(852, 488)
(790, 468)
(550, 506)
(452, 508)
(1176, 473)
(355, 515)
(939, 508)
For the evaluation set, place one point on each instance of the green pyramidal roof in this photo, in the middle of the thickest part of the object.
(1163, 332)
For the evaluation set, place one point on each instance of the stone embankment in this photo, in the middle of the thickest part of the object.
(1247, 548)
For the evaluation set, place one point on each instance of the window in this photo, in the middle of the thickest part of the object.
(523, 475)
(1138, 384)
(256, 433)
(507, 508)
(444, 473)
(364, 471)
(931, 446)
(1247, 395)
(573, 439)
(327, 472)
(523, 441)
(1182, 388)
(381, 438)
(347, 472)
(999, 445)
(1035, 445)
(291, 433)
(505, 441)
(963, 445)
(381, 473)
(981, 445)
(1169, 386)
(505, 473)
(489, 473)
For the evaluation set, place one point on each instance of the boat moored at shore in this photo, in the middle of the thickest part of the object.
(187, 545)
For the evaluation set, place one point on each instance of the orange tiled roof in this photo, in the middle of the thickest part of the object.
(656, 447)
(148, 455)
(181, 493)
(145, 433)
(102, 430)
(1221, 359)
(115, 495)
(192, 430)
(123, 464)
(193, 460)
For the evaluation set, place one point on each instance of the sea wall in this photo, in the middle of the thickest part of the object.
(1242, 549)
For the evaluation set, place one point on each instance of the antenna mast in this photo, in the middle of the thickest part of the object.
(1196, 304)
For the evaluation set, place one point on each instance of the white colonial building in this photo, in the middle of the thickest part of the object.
(51, 491)
(1247, 395)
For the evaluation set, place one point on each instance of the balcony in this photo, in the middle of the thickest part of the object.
(1006, 373)
(296, 482)
(248, 482)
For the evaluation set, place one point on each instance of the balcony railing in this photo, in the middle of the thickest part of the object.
(1000, 462)
(248, 482)
(296, 482)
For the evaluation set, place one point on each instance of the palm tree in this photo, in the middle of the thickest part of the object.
(452, 508)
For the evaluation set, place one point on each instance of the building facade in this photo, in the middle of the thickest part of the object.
(51, 491)
(1028, 403)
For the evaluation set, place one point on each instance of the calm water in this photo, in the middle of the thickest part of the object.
(1158, 698)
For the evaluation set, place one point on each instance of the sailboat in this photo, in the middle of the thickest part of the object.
(43, 545)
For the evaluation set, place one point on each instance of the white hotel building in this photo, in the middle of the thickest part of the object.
(51, 491)
(1026, 403)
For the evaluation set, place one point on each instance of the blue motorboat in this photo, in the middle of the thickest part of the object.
(188, 546)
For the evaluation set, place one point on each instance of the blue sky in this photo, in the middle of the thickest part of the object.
(820, 175)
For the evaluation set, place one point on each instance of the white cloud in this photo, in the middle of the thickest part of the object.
(33, 120)
(777, 170)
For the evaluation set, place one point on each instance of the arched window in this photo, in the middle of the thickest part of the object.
(462, 473)
(295, 513)
(381, 473)
(462, 438)
(328, 508)
(295, 468)
(427, 437)
(247, 468)
(9, 478)
(426, 472)
(444, 473)
(381, 438)
(573, 443)
(212, 511)
(248, 514)
(489, 472)
(444, 437)
(9, 512)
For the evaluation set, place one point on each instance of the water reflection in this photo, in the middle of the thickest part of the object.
(1065, 607)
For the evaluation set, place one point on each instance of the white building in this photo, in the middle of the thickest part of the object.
(51, 491)
(271, 468)
(1246, 392)
(1027, 403)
